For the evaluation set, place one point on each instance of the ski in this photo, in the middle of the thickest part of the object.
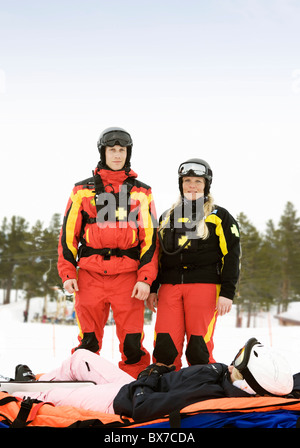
(40, 386)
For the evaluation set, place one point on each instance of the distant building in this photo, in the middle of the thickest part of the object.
(290, 317)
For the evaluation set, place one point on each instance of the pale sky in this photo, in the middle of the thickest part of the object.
(218, 80)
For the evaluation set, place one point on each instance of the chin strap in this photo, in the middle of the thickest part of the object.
(253, 383)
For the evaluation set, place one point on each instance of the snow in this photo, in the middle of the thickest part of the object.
(43, 346)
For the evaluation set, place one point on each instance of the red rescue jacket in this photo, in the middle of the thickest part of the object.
(112, 232)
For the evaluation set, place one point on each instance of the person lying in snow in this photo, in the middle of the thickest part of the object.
(159, 389)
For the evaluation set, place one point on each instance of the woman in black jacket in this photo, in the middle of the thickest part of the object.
(198, 271)
(255, 370)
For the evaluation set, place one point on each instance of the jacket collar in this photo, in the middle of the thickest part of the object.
(114, 178)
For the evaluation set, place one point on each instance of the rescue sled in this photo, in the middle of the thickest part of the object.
(252, 412)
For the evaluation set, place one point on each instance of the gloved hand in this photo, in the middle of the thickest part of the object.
(156, 369)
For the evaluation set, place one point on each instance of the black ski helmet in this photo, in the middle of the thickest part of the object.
(114, 136)
(197, 168)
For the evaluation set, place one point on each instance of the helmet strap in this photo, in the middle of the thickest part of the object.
(253, 383)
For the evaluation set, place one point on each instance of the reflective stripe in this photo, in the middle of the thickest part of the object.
(211, 325)
(72, 218)
(214, 219)
(146, 224)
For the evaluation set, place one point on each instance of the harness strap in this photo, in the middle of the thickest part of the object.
(26, 410)
(175, 419)
(85, 251)
(133, 252)
(21, 419)
(7, 400)
(99, 186)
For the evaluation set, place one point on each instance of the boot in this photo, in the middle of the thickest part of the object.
(23, 373)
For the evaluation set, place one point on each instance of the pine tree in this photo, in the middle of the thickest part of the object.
(13, 238)
(270, 264)
(250, 290)
(39, 277)
(50, 243)
(289, 255)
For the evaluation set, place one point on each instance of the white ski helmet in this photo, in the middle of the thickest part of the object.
(264, 369)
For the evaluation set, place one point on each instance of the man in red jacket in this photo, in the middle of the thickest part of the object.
(107, 251)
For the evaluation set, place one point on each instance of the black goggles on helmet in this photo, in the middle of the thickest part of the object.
(116, 137)
(192, 168)
(241, 360)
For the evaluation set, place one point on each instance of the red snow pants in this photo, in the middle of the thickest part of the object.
(97, 293)
(185, 310)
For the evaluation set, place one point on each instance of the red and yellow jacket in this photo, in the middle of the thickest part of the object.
(112, 232)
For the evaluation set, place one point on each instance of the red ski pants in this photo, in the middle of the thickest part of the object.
(185, 310)
(97, 293)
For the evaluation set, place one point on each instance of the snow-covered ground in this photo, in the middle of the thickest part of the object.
(44, 346)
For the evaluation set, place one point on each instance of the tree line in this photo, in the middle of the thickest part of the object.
(270, 262)
(28, 258)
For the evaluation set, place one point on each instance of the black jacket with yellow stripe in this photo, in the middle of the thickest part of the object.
(212, 260)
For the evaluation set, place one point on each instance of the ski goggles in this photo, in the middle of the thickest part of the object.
(116, 137)
(241, 360)
(196, 168)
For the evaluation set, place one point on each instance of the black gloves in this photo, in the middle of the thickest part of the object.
(156, 369)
